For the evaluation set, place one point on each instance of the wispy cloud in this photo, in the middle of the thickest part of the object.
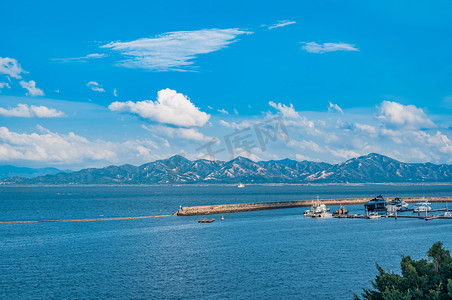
(335, 107)
(313, 47)
(85, 58)
(25, 111)
(95, 86)
(10, 67)
(173, 51)
(4, 85)
(170, 108)
(30, 86)
(281, 24)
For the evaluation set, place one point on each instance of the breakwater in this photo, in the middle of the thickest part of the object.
(243, 207)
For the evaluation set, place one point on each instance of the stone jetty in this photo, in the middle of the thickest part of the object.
(242, 207)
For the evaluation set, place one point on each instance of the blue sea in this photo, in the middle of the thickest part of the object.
(273, 254)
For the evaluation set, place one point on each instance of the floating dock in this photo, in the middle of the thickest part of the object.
(243, 207)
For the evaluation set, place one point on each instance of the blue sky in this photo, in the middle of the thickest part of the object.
(106, 82)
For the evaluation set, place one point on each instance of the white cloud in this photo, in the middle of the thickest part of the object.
(66, 149)
(292, 118)
(95, 86)
(306, 145)
(281, 24)
(184, 133)
(173, 51)
(407, 116)
(223, 111)
(335, 107)
(10, 67)
(31, 87)
(115, 92)
(238, 126)
(25, 111)
(313, 47)
(286, 111)
(344, 153)
(169, 108)
(369, 129)
(301, 157)
(4, 85)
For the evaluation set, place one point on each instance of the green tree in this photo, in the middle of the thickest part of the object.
(429, 278)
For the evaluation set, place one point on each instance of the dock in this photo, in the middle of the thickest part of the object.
(244, 207)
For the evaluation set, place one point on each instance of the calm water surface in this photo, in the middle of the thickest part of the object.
(267, 254)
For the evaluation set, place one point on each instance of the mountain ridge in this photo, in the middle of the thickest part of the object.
(370, 168)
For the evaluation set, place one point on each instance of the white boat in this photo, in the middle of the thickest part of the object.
(373, 215)
(422, 206)
(396, 204)
(318, 210)
(241, 185)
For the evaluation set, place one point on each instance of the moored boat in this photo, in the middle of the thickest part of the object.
(341, 211)
(373, 215)
(422, 206)
(318, 210)
(376, 204)
(396, 204)
(241, 185)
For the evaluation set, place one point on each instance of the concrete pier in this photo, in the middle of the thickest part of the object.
(242, 207)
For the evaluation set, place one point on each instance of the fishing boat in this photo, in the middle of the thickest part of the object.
(376, 204)
(241, 185)
(206, 220)
(318, 210)
(396, 204)
(422, 206)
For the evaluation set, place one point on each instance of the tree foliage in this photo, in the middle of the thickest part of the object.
(429, 278)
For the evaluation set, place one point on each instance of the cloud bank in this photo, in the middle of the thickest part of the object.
(51, 147)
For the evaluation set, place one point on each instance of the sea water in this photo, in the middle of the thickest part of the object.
(273, 254)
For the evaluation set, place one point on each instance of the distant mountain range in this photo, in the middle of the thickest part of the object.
(12, 171)
(371, 168)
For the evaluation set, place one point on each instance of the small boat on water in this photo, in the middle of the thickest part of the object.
(341, 211)
(396, 204)
(206, 220)
(241, 185)
(422, 206)
(376, 204)
(318, 210)
(373, 215)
